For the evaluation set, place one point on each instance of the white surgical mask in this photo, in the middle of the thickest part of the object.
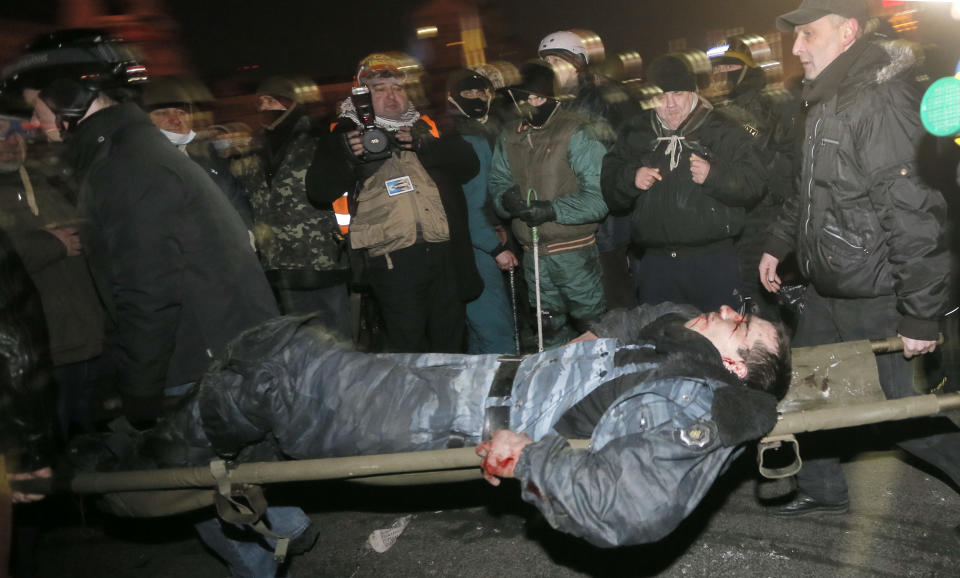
(179, 139)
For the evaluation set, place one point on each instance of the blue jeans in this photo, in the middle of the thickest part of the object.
(247, 553)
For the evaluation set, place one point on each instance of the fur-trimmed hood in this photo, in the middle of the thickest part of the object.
(904, 56)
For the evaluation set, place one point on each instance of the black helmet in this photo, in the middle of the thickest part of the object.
(91, 59)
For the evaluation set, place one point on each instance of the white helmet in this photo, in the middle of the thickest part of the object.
(564, 40)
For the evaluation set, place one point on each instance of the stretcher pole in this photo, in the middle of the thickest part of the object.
(513, 307)
(535, 234)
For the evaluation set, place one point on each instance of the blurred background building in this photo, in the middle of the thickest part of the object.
(233, 44)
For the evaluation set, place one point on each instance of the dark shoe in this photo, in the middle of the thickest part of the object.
(305, 541)
(802, 504)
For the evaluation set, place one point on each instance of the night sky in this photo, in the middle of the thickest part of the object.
(325, 39)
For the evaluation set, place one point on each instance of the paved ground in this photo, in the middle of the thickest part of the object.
(901, 524)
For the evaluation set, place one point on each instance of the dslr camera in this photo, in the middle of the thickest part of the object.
(376, 142)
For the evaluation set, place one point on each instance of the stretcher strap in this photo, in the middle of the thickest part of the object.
(244, 505)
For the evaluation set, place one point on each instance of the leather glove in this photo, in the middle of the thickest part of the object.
(513, 202)
(538, 213)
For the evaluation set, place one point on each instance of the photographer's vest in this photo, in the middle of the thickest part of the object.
(539, 160)
(397, 206)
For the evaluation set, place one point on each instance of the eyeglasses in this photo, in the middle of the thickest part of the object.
(745, 305)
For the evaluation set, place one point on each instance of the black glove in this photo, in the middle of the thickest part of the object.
(513, 202)
(538, 213)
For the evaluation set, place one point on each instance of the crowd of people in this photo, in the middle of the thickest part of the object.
(181, 267)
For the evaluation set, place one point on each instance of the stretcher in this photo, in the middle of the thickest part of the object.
(833, 386)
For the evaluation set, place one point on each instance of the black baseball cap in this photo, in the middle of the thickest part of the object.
(811, 10)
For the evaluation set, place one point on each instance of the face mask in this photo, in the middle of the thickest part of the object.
(734, 77)
(538, 116)
(473, 107)
(177, 138)
(221, 145)
(272, 116)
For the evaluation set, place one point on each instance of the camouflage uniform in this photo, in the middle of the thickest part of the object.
(291, 233)
(300, 246)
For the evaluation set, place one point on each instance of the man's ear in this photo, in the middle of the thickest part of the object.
(737, 367)
(849, 30)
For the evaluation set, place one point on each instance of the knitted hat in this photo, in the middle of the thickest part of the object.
(672, 74)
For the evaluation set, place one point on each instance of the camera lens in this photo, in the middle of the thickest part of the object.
(375, 141)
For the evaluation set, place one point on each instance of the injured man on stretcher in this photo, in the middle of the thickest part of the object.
(666, 395)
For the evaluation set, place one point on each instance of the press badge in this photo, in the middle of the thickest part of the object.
(399, 185)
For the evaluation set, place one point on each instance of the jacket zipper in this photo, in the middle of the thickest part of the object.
(813, 151)
(844, 241)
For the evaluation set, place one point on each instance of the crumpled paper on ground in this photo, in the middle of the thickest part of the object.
(383, 539)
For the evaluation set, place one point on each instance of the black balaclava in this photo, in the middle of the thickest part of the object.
(476, 108)
(537, 116)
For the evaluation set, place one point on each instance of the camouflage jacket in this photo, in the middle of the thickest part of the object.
(291, 233)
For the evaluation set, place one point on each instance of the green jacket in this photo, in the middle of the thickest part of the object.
(561, 162)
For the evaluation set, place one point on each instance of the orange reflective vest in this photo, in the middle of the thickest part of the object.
(341, 207)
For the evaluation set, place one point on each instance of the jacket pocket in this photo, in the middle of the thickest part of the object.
(840, 251)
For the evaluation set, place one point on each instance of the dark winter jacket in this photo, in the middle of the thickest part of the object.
(664, 417)
(203, 153)
(864, 225)
(602, 103)
(70, 301)
(449, 160)
(170, 257)
(27, 392)
(676, 212)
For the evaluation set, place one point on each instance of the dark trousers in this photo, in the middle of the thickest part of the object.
(827, 320)
(330, 304)
(705, 279)
(419, 299)
(76, 383)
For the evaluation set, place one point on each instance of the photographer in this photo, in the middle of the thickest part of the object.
(409, 216)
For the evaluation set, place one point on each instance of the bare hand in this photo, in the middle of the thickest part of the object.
(19, 497)
(699, 169)
(645, 178)
(355, 142)
(914, 347)
(501, 453)
(70, 237)
(588, 336)
(506, 260)
(768, 273)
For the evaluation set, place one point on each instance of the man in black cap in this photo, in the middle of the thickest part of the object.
(546, 177)
(688, 175)
(868, 234)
